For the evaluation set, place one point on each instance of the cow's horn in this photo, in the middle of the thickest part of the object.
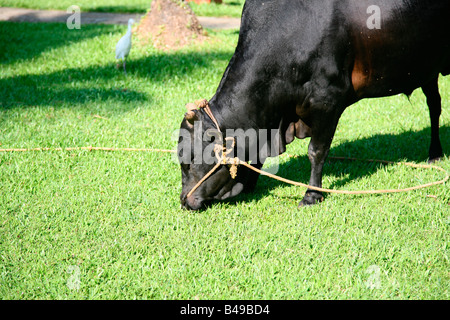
(191, 106)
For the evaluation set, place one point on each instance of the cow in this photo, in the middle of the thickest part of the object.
(299, 64)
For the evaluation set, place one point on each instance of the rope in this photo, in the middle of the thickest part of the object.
(90, 148)
(223, 159)
(409, 164)
(222, 152)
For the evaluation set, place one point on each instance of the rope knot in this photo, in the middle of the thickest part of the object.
(222, 152)
(234, 166)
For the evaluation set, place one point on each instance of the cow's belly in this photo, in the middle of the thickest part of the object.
(410, 48)
(381, 71)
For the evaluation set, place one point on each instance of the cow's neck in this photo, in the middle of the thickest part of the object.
(238, 106)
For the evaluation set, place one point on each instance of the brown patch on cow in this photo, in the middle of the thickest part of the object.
(362, 68)
(363, 44)
(360, 75)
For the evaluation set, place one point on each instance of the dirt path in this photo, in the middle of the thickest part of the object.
(30, 15)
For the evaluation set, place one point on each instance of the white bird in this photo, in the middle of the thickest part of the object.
(124, 45)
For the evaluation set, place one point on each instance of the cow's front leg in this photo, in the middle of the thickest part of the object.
(317, 153)
(318, 150)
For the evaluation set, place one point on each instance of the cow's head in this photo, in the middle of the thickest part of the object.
(198, 139)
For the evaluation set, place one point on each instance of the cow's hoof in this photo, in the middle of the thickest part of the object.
(433, 160)
(310, 198)
(435, 153)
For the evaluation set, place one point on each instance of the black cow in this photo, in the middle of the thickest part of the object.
(299, 63)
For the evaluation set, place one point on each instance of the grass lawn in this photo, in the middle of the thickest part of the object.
(108, 225)
(230, 8)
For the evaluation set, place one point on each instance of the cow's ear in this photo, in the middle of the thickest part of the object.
(191, 116)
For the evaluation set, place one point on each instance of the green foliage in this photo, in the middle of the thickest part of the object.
(107, 225)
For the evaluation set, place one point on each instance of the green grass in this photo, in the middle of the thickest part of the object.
(111, 220)
(230, 8)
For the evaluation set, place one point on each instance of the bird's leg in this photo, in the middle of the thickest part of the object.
(124, 69)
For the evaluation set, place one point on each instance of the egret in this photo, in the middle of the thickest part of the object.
(124, 45)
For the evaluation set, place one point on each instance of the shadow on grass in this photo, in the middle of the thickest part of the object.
(24, 41)
(408, 146)
(129, 8)
(74, 86)
(78, 85)
(99, 83)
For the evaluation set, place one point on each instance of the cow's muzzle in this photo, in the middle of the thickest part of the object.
(191, 203)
